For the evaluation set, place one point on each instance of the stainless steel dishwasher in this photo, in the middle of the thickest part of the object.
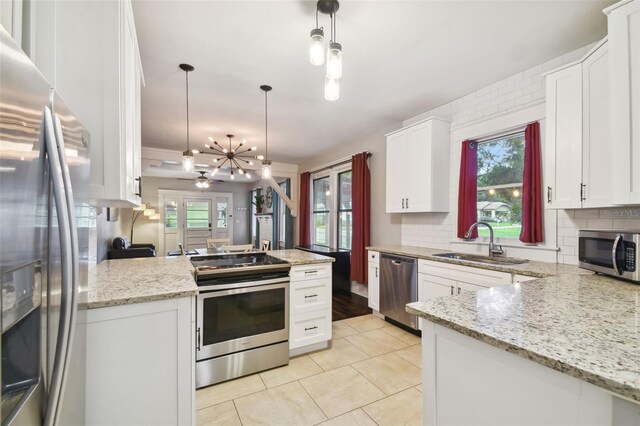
(398, 286)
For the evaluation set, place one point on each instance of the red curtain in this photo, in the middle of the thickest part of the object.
(532, 212)
(304, 236)
(468, 189)
(361, 206)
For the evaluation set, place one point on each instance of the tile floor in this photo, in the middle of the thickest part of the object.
(370, 375)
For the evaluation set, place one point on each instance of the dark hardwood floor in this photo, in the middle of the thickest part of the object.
(349, 305)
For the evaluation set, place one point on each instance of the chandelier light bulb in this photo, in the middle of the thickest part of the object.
(260, 157)
(243, 142)
(248, 175)
(210, 139)
(241, 171)
(187, 161)
(316, 47)
(253, 148)
(225, 150)
(251, 163)
(334, 61)
(331, 89)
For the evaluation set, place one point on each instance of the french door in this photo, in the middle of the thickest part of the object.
(197, 224)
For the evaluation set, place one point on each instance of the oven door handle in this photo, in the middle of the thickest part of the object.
(246, 284)
(614, 251)
(198, 339)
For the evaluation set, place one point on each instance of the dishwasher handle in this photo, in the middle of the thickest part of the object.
(398, 260)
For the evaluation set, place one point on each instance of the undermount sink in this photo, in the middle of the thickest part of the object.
(482, 259)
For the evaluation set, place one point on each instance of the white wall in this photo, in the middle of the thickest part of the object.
(520, 92)
(148, 231)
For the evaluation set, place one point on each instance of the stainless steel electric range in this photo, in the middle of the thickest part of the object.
(242, 312)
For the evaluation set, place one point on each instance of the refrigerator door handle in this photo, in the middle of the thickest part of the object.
(66, 266)
(75, 250)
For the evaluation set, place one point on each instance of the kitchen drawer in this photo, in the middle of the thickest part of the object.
(309, 328)
(310, 295)
(374, 257)
(310, 272)
(467, 274)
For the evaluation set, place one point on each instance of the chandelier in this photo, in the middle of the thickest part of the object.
(333, 53)
(234, 156)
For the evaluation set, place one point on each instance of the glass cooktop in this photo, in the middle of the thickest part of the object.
(224, 263)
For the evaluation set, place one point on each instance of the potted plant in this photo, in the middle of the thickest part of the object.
(258, 203)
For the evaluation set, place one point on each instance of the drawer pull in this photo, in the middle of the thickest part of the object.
(310, 328)
(310, 272)
(309, 297)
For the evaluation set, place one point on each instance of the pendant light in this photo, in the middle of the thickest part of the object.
(266, 163)
(333, 52)
(187, 156)
(316, 44)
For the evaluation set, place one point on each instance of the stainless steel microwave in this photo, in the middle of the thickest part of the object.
(610, 252)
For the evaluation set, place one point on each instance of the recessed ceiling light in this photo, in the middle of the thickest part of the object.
(201, 165)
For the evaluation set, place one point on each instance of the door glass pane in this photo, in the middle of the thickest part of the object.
(171, 215)
(242, 315)
(321, 194)
(344, 230)
(221, 214)
(321, 225)
(344, 183)
(197, 214)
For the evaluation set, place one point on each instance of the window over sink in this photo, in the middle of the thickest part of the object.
(500, 167)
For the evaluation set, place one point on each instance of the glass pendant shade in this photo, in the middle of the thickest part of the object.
(266, 169)
(334, 61)
(331, 89)
(316, 47)
(187, 161)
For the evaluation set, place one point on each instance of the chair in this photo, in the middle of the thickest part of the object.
(121, 248)
(265, 245)
(217, 242)
(240, 248)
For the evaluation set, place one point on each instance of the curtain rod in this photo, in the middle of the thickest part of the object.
(336, 163)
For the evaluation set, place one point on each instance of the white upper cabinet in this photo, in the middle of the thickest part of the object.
(578, 163)
(89, 52)
(624, 40)
(418, 168)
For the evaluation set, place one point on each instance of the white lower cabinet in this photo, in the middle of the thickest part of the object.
(373, 283)
(469, 382)
(310, 308)
(141, 364)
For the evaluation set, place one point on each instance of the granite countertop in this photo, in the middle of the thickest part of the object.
(300, 257)
(582, 325)
(530, 268)
(126, 281)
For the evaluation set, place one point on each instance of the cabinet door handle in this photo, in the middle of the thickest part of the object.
(310, 328)
(582, 187)
(376, 272)
(403, 203)
(458, 290)
(407, 203)
(548, 195)
(452, 290)
(139, 180)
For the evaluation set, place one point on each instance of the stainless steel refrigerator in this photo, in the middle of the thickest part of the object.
(44, 232)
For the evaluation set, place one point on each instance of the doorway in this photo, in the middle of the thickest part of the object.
(193, 217)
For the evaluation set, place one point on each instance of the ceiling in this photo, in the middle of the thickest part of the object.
(400, 59)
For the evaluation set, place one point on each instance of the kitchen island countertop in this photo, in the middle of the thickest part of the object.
(127, 281)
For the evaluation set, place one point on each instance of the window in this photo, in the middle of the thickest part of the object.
(500, 167)
(198, 214)
(344, 210)
(321, 211)
(332, 221)
(171, 215)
